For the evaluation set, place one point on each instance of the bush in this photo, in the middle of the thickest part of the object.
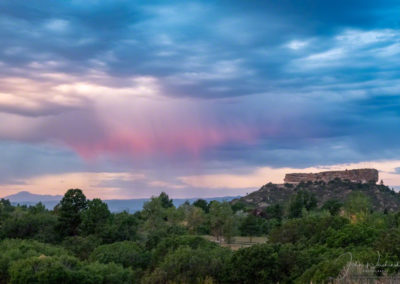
(81, 247)
(14, 250)
(127, 253)
(256, 264)
(67, 269)
(188, 265)
(352, 235)
(308, 230)
(172, 243)
(110, 273)
(46, 269)
(24, 224)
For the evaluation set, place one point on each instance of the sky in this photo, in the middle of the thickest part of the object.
(126, 99)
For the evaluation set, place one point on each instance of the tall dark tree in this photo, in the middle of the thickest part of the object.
(95, 217)
(251, 226)
(166, 202)
(70, 211)
(333, 206)
(302, 200)
(222, 223)
(274, 212)
(201, 203)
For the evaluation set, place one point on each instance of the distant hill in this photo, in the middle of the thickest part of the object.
(26, 196)
(115, 205)
(381, 196)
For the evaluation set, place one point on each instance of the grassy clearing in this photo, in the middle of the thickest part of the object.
(238, 242)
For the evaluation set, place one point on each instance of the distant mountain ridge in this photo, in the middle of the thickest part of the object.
(26, 196)
(115, 205)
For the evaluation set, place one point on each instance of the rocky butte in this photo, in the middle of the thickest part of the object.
(357, 175)
(325, 186)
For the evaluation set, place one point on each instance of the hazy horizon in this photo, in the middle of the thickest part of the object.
(126, 99)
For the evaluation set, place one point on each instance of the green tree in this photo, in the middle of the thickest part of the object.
(201, 203)
(238, 206)
(81, 247)
(188, 265)
(128, 254)
(352, 235)
(302, 200)
(166, 202)
(121, 227)
(46, 269)
(67, 269)
(256, 264)
(95, 273)
(222, 221)
(13, 250)
(195, 219)
(172, 243)
(70, 211)
(155, 212)
(95, 217)
(274, 211)
(333, 206)
(34, 223)
(357, 206)
(251, 226)
(388, 244)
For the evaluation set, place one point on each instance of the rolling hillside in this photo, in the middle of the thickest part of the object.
(381, 196)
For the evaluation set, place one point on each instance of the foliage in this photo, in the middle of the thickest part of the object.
(222, 223)
(256, 264)
(67, 269)
(357, 206)
(166, 202)
(195, 220)
(172, 243)
(333, 206)
(308, 230)
(15, 250)
(188, 265)
(251, 226)
(81, 246)
(120, 226)
(46, 269)
(201, 203)
(81, 241)
(109, 273)
(126, 253)
(33, 223)
(95, 217)
(70, 212)
(302, 200)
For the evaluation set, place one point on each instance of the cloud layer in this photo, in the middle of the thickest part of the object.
(177, 90)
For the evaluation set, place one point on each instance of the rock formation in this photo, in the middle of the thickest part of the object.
(325, 186)
(357, 175)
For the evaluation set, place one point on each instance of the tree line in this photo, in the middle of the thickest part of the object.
(81, 241)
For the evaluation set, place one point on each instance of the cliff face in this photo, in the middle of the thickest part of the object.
(358, 175)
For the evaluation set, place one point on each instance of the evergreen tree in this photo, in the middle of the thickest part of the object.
(70, 211)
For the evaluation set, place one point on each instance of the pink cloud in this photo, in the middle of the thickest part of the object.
(168, 142)
(132, 119)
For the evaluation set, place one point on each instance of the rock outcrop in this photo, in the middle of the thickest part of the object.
(357, 175)
(333, 185)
